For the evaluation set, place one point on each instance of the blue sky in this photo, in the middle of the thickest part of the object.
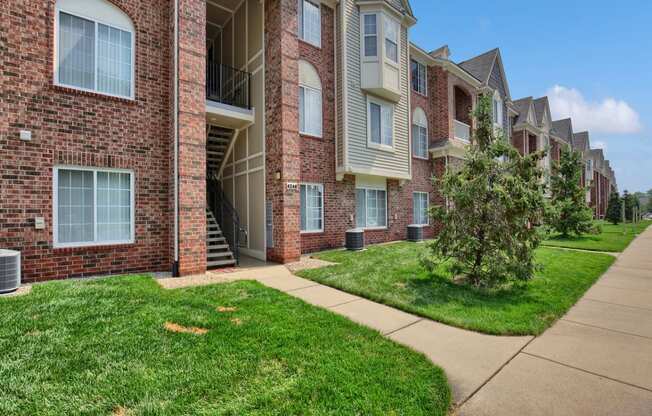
(593, 58)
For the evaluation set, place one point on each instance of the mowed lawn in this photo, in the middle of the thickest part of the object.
(102, 347)
(392, 274)
(613, 238)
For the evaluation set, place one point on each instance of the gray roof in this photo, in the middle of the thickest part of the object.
(523, 106)
(481, 65)
(540, 108)
(581, 141)
(564, 129)
(598, 157)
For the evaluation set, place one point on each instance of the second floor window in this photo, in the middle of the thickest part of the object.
(94, 56)
(309, 22)
(418, 77)
(310, 100)
(420, 133)
(391, 39)
(498, 111)
(381, 124)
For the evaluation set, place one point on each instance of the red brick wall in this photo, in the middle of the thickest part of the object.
(282, 142)
(519, 141)
(71, 127)
(438, 97)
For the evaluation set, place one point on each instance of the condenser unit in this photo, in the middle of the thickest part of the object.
(9, 270)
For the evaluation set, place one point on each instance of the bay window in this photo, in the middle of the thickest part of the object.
(94, 55)
(370, 32)
(312, 208)
(391, 28)
(371, 208)
(93, 206)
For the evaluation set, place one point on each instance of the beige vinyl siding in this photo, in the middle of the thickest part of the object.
(397, 4)
(362, 159)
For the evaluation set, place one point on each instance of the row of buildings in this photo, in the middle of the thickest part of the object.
(182, 135)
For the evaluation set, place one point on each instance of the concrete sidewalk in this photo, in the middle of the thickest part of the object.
(596, 360)
(468, 358)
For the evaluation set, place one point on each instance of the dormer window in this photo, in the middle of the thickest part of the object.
(370, 36)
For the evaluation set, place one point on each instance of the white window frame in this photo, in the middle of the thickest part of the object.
(414, 141)
(366, 198)
(95, 20)
(425, 77)
(387, 17)
(427, 207)
(319, 134)
(390, 107)
(301, 22)
(55, 207)
(363, 36)
(320, 186)
(497, 111)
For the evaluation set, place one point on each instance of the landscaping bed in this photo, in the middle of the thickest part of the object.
(125, 346)
(393, 275)
(613, 238)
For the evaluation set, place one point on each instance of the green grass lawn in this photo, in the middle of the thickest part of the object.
(392, 274)
(100, 347)
(613, 238)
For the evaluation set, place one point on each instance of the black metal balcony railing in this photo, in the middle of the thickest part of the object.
(228, 85)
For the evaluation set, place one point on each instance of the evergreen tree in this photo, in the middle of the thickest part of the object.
(614, 209)
(493, 202)
(568, 211)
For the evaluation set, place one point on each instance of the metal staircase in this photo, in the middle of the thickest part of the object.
(218, 251)
(217, 144)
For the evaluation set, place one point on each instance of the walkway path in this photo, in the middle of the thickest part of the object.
(469, 358)
(597, 360)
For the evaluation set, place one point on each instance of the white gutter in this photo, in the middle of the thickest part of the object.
(175, 267)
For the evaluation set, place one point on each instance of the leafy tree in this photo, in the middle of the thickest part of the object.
(630, 203)
(649, 201)
(614, 209)
(568, 212)
(494, 201)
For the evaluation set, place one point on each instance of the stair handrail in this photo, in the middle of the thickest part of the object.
(221, 207)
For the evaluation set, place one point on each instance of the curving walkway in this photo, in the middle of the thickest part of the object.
(596, 360)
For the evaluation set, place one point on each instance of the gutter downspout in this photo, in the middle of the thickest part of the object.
(175, 264)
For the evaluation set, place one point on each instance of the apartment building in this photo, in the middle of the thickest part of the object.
(185, 135)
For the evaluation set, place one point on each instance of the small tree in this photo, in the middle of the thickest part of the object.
(493, 203)
(630, 203)
(614, 208)
(568, 212)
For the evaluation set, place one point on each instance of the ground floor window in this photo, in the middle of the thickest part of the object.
(312, 208)
(371, 208)
(93, 206)
(420, 208)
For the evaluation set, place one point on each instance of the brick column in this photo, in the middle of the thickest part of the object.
(192, 136)
(282, 127)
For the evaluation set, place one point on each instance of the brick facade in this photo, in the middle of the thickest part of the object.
(70, 127)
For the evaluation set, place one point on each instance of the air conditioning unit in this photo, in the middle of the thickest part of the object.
(9, 270)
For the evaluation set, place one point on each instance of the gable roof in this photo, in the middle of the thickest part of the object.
(581, 141)
(402, 6)
(541, 109)
(482, 66)
(525, 109)
(564, 129)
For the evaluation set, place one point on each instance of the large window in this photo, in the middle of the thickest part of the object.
(381, 123)
(370, 35)
(419, 75)
(420, 208)
(310, 22)
(310, 100)
(92, 207)
(93, 55)
(371, 208)
(391, 38)
(497, 110)
(420, 133)
(312, 208)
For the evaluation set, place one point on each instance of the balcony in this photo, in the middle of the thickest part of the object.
(462, 130)
(228, 96)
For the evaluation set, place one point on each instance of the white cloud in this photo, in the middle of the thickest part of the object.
(599, 144)
(607, 116)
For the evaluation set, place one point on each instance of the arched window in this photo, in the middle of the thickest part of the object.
(420, 133)
(310, 101)
(94, 47)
